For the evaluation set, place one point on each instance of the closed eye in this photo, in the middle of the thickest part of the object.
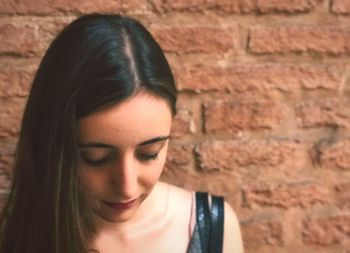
(96, 160)
(147, 157)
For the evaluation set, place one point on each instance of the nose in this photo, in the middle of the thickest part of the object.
(124, 178)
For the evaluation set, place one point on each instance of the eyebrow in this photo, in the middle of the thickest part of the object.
(105, 145)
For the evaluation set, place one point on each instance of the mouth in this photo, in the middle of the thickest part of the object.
(121, 205)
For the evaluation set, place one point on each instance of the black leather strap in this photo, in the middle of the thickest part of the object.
(203, 219)
(217, 224)
(210, 222)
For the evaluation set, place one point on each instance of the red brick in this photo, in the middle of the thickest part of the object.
(183, 124)
(299, 39)
(7, 150)
(29, 36)
(258, 234)
(248, 153)
(223, 184)
(289, 6)
(6, 164)
(285, 195)
(321, 113)
(11, 111)
(233, 117)
(340, 6)
(5, 181)
(238, 6)
(342, 195)
(179, 156)
(196, 39)
(228, 6)
(7, 146)
(58, 6)
(334, 155)
(261, 78)
(17, 37)
(15, 78)
(326, 231)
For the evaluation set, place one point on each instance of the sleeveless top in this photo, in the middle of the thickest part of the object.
(209, 227)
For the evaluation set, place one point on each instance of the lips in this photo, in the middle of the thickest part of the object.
(121, 205)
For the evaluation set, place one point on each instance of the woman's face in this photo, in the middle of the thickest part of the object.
(123, 150)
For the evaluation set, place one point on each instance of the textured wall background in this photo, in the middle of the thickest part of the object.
(264, 112)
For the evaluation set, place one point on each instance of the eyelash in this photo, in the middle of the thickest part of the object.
(148, 157)
(108, 158)
(97, 163)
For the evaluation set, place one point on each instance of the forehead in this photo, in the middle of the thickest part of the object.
(137, 119)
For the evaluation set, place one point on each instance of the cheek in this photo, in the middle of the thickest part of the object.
(151, 174)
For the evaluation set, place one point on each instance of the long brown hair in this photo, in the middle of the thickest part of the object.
(97, 60)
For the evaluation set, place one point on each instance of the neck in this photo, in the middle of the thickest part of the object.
(149, 215)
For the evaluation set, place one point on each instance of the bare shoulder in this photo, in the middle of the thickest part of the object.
(232, 232)
(180, 202)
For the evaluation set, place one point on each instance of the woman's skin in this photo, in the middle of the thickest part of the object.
(123, 151)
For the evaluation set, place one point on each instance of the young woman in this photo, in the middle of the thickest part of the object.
(92, 147)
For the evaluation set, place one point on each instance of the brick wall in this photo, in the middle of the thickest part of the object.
(264, 113)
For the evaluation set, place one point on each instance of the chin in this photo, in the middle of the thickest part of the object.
(119, 219)
(117, 215)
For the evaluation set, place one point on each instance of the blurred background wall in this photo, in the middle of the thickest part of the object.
(264, 112)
